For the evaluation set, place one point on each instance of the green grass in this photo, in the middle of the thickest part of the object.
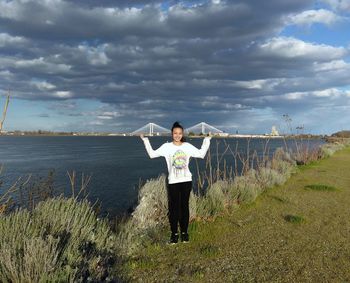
(209, 250)
(279, 199)
(296, 219)
(142, 263)
(255, 244)
(312, 164)
(62, 240)
(321, 187)
(198, 274)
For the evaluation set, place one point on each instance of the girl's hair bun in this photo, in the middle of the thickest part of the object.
(176, 125)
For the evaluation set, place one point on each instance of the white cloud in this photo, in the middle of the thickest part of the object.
(111, 113)
(332, 66)
(143, 61)
(40, 63)
(6, 74)
(309, 17)
(9, 9)
(290, 47)
(294, 95)
(331, 92)
(63, 94)
(43, 85)
(6, 39)
(105, 117)
(95, 55)
(95, 123)
(252, 84)
(325, 93)
(339, 5)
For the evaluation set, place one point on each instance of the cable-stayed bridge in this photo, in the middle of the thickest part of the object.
(154, 129)
(203, 128)
(151, 129)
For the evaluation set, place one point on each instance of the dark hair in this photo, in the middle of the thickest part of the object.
(178, 125)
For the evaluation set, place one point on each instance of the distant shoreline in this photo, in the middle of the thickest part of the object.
(57, 134)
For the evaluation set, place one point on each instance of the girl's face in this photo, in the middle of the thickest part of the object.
(177, 134)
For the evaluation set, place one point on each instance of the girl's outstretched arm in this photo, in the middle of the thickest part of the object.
(153, 153)
(200, 153)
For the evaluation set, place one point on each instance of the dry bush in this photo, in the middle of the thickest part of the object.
(59, 240)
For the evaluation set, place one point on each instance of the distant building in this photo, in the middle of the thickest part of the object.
(223, 134)
(274, 131)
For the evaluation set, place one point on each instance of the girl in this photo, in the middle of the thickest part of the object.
(179, 182)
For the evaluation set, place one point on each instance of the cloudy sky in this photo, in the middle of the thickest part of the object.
(94, 65)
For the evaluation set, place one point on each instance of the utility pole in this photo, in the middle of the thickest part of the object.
(5, 111)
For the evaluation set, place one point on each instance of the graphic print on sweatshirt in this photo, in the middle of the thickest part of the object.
(179, 162)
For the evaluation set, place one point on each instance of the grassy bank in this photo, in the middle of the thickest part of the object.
(241, 229)
(297, 232)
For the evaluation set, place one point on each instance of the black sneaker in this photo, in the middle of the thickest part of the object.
(184, 237)
(173, 239)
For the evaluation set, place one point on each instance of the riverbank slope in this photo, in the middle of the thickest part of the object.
(291, 233)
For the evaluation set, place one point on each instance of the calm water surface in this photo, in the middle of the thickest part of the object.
(115, 163)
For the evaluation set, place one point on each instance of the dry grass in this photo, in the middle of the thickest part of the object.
(285, 236)
(224, 189)
(72, 244)
(60, 240)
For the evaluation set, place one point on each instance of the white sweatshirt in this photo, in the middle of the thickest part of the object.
(178, 157)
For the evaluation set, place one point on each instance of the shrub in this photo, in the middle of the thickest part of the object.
(213, 202)
(328, 149)
(153, 204)
(149, 215)
(246, 188)
(60, 240)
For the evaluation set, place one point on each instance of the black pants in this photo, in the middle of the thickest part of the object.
(178, 204)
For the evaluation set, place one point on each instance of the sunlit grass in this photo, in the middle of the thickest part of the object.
(296, 219)
(321, 187)
(70, 243)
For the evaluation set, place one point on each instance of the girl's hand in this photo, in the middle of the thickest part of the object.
(142, 136)
(210, 135)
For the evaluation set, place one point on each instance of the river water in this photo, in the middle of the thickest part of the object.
(116, 164)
